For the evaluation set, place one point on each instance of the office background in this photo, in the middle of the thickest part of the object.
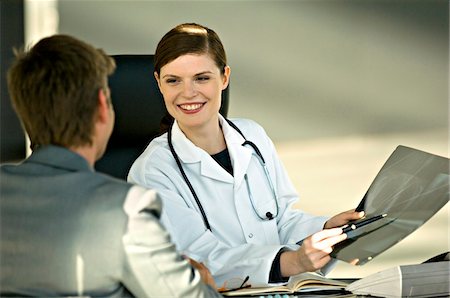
(336, 84)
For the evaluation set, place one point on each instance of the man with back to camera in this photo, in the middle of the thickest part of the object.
(65, 229)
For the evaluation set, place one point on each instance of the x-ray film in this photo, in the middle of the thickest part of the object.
(409, 189)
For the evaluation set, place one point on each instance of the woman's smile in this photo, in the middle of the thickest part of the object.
(191, 108)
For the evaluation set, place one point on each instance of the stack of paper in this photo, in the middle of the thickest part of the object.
(422, 280)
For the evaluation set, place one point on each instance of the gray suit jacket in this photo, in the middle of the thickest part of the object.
(66, 230)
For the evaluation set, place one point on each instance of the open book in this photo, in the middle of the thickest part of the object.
(303, 282)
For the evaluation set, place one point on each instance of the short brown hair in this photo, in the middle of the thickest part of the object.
(54, 89)
(189, 38)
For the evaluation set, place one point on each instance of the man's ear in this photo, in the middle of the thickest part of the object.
(103, 105)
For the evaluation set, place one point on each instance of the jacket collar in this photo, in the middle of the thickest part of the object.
(240, 156)
(59, 157)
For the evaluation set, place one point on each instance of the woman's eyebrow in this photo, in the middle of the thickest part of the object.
(195, 75)
(204, 72)
(170, 75)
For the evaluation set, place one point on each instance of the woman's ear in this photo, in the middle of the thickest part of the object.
(157, 79)
(226, 77)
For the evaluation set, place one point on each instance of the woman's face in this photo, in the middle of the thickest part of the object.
(192, 86)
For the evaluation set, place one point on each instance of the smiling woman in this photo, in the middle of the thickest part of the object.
(192, 87)
(205, 161)
(191, 70)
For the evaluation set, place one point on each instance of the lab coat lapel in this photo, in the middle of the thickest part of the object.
(240, 155)
(189, 153)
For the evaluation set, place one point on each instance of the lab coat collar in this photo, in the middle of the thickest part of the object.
(240, 156)
(189, 153)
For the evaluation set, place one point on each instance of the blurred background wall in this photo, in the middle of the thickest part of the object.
(303, 69)
(336, 84)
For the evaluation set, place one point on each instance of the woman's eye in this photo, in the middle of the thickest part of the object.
(202, 78)
(171, 81)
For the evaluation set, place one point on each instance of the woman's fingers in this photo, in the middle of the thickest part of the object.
(324, 234)
(343, 218)
(315, 250)
(326, 239)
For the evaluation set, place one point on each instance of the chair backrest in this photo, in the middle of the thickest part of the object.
(139, 108)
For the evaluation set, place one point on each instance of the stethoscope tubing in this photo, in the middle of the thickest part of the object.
(191, 188)
(269, 215)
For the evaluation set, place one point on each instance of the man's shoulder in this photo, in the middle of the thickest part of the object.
(110, 180)
(104, 183)
(133, 194)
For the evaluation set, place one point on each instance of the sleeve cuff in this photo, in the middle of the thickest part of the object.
(275, 272)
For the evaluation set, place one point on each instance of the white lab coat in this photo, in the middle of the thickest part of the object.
(239, 243)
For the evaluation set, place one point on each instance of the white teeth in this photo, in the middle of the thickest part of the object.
(191, 106)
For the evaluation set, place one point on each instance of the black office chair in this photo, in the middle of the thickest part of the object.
(139, 108)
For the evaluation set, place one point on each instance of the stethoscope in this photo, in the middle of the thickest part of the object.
(268, 215)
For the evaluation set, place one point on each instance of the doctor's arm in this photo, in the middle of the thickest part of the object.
(295, 225)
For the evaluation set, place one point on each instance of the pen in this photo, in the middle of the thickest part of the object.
(363, 223)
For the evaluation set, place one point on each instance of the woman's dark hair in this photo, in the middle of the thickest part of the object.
(189, 38)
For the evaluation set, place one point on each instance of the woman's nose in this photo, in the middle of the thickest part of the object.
(189, 89)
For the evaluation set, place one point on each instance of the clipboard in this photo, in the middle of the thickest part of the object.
(410, 188)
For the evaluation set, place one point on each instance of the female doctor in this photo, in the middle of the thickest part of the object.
(227, 197)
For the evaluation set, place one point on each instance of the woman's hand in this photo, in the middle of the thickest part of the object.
(313, 254)
(343, 218)
(204, 273)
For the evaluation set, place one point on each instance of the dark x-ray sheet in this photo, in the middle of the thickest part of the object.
(409, 189)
